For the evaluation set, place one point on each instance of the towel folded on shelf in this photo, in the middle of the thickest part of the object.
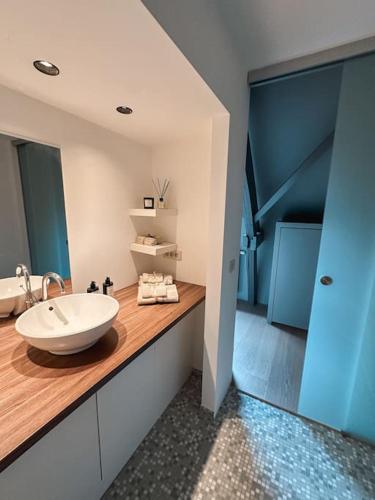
(146, 291)
(154, 278)
(147, 240)
(160, 290)
(143, 301)
(150, 240)
(140, 240)
(171, 294)
(156, 288)
(149, 290)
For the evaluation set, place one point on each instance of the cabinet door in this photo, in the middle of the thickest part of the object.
(173, 359)
(295, 258)
(130, 403)
(63, 465)
(127, 410)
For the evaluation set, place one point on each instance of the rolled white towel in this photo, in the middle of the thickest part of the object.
(168, 279)
(157, 277)
(140, 240)
(152, 278)
(149, 240)
(143, 279)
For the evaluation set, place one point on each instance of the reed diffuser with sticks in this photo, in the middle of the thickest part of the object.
(161, 188)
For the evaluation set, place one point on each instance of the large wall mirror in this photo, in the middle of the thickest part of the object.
(32, 209)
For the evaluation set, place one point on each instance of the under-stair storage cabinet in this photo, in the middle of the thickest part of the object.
(64, 464)
(295, 258)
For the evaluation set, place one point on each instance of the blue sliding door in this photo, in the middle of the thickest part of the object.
(42, 186)
(338, 385)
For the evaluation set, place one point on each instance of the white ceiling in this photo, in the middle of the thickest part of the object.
(270, 31)
(114, 53)
(110, 53)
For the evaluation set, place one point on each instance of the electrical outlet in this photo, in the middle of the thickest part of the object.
(176, 255)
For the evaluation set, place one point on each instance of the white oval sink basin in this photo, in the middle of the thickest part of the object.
(12, 294)
(68, 324)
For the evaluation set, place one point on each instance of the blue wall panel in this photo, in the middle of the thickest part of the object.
(288, 119)
(42, 185)
(339, 343)
(361, 413)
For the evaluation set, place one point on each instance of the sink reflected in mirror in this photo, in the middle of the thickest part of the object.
(68, 324)
(13, 294)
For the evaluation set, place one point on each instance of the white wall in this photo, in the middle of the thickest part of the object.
(187, 164)
(198, 29)
(14, 247)
(152, 76)
(217, 38)
(269, 31)
(198, 339)
(104, 175)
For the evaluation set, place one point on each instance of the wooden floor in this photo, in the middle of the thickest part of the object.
(268, 359)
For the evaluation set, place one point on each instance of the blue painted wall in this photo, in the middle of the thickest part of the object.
(42, 186)
(288, 119)
(338, 379)
(361, 411)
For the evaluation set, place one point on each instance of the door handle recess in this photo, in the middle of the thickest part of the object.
(326, 280)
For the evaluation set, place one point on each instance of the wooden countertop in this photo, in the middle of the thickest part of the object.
(38, 389)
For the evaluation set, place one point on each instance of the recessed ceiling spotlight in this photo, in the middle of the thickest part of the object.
(46, 67)
(124, 110)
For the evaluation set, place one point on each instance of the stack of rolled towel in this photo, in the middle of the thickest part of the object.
(148, 240)
(156, 288)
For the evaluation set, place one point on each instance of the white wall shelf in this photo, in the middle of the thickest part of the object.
(152, 212)
(153, 249)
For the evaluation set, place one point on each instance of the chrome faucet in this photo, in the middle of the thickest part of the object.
(46, 281)
(21, 270)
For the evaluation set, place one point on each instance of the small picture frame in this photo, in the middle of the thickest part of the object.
(148, 202)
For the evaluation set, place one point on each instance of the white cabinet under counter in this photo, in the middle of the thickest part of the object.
(63, 464)
(71, 434)
(130, 404)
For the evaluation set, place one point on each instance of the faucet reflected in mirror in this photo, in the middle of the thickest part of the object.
(30, 298)
(16, 294)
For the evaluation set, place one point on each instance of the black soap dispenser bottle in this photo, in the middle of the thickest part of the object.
(108, 287)
(93, 288)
